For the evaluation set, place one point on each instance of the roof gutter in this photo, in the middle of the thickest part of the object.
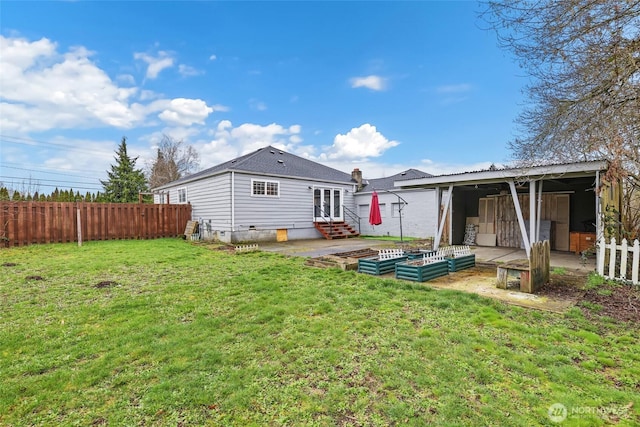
(487, 177)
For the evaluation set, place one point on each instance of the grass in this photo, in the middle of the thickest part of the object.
(166, 332)
(558, 270)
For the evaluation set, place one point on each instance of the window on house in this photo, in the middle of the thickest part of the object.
(383, 210)
(265, 188)
(397, 209)
(182, 195)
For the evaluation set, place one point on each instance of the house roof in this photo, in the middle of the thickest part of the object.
(387, 183)
(271, 161)
(561, 170)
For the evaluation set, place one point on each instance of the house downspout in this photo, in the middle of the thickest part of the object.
(233, 201)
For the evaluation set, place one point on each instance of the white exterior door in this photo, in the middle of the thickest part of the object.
(327, 204)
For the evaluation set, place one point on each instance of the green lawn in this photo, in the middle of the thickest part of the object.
(178, 334)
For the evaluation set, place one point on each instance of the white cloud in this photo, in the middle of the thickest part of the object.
(186, 112)
(126, 79)
(454, 94)
(187, 71)
(372, 82)
(257, 105)
(51, 90)
(213, 57)
(359, 143)
(155, 64)
(228, 141)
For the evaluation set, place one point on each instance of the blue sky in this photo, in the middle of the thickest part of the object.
(383, 86)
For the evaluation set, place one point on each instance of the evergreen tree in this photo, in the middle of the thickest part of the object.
(125, 181)
(4, 194)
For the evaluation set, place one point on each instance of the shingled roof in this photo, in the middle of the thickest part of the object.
(271, 161)
(387, 183)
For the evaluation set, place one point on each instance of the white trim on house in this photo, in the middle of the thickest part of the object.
(270, 188)
(182, 195)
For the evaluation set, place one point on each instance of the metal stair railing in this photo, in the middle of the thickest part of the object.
(352, 215)
(324, 216)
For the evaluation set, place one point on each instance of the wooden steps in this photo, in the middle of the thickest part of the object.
(335, 230)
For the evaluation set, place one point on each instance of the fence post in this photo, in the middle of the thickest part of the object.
(79, 225)
(623, 259)
(601, 252)
(612, 258)
(636, 261)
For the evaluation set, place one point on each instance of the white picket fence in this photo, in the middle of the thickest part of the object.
(612, 249)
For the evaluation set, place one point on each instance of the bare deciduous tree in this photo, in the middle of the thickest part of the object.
(583, 59)
(174, 159)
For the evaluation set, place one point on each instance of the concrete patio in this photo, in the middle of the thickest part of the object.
(489, 255)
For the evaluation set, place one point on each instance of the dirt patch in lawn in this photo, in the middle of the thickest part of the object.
(105, 284)
(623, 304)
(620, 302)
(481, 280)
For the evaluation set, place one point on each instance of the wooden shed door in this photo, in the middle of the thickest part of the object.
(560, 218)
(487, 214)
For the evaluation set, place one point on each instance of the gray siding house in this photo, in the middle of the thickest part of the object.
(266, 195)
(405, 212)
(270, 194)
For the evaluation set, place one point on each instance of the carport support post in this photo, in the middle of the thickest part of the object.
(523, 229)
(436, 243)
(533, 229)
(539, 210)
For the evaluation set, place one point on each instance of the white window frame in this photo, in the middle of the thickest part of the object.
(397, 209)
(266, 183)
(181, 191)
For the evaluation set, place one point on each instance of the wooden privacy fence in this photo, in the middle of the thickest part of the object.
(25, 223)
(620, 265)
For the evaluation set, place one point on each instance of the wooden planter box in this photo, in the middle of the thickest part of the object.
(460, 263)
(421, 273)
(376, 267)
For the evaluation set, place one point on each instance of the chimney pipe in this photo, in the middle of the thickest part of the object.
(356, 176)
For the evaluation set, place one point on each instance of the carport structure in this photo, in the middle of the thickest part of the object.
(516, 207)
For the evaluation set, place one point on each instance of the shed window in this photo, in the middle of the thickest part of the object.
(182, 195)
(265, 188)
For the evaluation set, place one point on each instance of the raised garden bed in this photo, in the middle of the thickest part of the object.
(376, 266)
(419, 254)
(418, 271)
(460, 263)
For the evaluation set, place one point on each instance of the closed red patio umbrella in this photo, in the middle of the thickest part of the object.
(374, 212)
